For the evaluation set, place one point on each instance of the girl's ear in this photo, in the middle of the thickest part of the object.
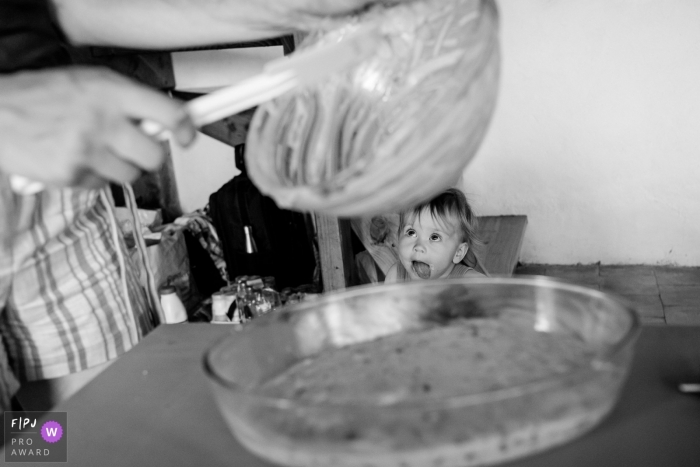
(460, 253)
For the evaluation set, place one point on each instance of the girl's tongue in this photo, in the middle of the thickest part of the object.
(422, 269)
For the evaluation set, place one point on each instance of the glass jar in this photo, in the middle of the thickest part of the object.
(271, 296)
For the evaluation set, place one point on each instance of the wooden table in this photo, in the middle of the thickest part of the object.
(153, 408)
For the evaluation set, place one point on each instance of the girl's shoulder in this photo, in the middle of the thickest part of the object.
(473, 273)
(462, 270)
(391, 274)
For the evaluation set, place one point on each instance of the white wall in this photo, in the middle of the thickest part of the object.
(596, 135)
(201, 169)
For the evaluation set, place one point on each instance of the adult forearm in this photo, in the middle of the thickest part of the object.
(160, 24)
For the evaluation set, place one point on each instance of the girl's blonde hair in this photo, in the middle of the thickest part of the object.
(451, 205)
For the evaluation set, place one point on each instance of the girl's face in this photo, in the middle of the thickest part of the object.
(429, 248)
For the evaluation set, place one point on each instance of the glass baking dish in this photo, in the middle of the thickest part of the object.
(457, 429)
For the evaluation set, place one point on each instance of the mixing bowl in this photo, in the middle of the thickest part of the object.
(460, 428)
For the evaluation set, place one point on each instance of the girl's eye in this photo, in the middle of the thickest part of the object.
(410, 233)
(434, 238)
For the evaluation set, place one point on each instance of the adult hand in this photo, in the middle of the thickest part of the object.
(78, 126)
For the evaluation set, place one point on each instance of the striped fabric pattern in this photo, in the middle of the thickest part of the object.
(64, 304)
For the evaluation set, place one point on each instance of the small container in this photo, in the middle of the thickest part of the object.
(173, 309)
(270, 295)
(219, 307)
(262, 305)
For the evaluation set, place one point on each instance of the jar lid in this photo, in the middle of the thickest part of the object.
(166, 289)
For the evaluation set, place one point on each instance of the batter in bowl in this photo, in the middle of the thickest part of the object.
(412, 374)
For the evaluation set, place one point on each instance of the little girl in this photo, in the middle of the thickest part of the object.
(434, 238)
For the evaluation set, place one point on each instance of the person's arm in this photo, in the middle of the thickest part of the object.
(162, 24)
(391, 275)
(78, 126)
